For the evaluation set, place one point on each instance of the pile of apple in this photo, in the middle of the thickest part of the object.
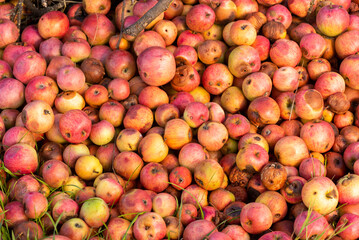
(222, 120)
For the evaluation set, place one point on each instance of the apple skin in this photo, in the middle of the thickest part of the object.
(146, 40)
(174, 227)
(313, 228)
(134, 201)
(28, 230)
(35, 205)
(11, 53)
(276, 204)
(351, 154)
(188, 214)
(152, 148)
(252, 158)
(16, 135)
(66, 208)
(120, 64)
(292, 189)
(15, 213)
(212, 135)
(28, 65)
(102, 133)
(128, 165)
(242, 32)
(109, 190)
(164, 204)
(209, 174)
(285, 52)
(256, 85)
(75, 126)
(138, 117)
(24, 185)
(75, 228)
(193, 192)
(88, 167)
(321, 194)
(291, 150)
(332, 20)
(220, 198)
(199, 229)
(350, 222)
(21, 159)
(195, 114)
(200, 18)
(117, 228)
(10, 30)
(250, 221)
(275, 235)
(346, 187)
(156, 71)
(95, 212)
(312, 167)
(263, 110)
(154, 177)
(13, 93)
(55, 173)
(346, 44)
(236, 232)
(191, 154)
(53, 24)
(149, 225)
(243, 60)
(98, 35)
(70, 100)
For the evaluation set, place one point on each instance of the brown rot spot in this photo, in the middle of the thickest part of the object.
(145, 74)
(68, 135)
(332, 194)
(83, 132)
(47, 112)
(96, 92)
(199, 181)
(77, 225)
(257, 138)
(147, 227)
(243, 27)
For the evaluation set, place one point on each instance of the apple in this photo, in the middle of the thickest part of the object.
(321, 194)
(154, 176)
(133, 202)
(65, 209)
(94, 212)
(11, 32)
(310, 223)
(29, 229)
(250, 221)
(21, 159)
(332, 20)
(212, 135)
(199, 229)
(35, 205)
